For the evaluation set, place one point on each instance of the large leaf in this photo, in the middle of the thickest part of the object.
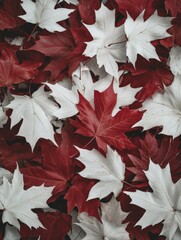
(99, 123)
(140, 33)
(110, 227)
(44, 14)
(150, 75)
(163, 109)
(36, 112)
(110, 169)
(109, 42)
(17, 203)
(163, 204)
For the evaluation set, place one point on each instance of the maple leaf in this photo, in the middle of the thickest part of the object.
(175, 60)
(58, 44)
(110, 169)
(44, 14)
(87, 10)
(151, 76)
(9, 15)
(57, 167)
(83, 82)
(11, 233)
(125, 97)
(134, 8)
(51, 221)
(163, 109)
(12, 72)
(16, 203)
(11, 151)
(164, 152)
(66, 98)
(174, 6)
(99, 123)
(36, 112)
(140, 33)
(177, 29)
(77, 194)
(163, 204)
(108, 44)
(110, 227)
(5, 173)
(76, 231)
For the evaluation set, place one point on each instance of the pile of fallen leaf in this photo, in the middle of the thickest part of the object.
(90, 119)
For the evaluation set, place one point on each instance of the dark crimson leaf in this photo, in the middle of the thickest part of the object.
(12, 71)
(57, 166)
(77, 195)
(56, 224)
(9, 15)
(166, 151)
(150, 75)
(87, 10)
(173, 6)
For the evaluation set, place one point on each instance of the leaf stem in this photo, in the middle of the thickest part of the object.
(35, 27)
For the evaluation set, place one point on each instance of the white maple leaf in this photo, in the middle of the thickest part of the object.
(76, 232)
(44, 14)
(5, 173)
(83, 82)
(109, 42)
(140, 33)
(111, 227)
(125, 96)
(66, 98)
(110, 171)
(3, 117)
(164, 109)
(175, 60)
(163, 204)
(36, 112)
(17, 203)
(11, 233)
(3, 104)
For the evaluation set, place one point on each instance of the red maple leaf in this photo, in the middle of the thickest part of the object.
(177, 29)
(62, 50)
(56, 224)
(173, 6)
(58, 44)
(87, 10)
(100, 125)
(150, 75)
(13, 150)
(57, 167)
(9, 15)
(163, 151)
(135, 7)
(12, 71)
(77, 195)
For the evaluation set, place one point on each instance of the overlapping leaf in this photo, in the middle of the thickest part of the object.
(99, 123)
